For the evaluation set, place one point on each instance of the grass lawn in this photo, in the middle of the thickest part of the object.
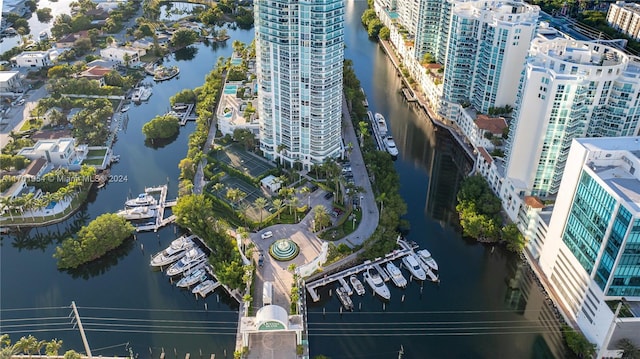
(343, 229)
(93, 161)
(97, 153)
(32, 123)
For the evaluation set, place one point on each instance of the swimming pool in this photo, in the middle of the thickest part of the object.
(230, 89)
(51, 205)
(236, 61)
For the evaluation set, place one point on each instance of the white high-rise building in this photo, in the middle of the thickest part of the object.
(591, 254)
(300, 52)
(488, 42)
(569, 89)
(625, 17)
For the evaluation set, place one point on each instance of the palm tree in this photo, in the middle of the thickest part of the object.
(293, 203)
(306, 191)
(363, 127)
(27, 345)
(6, 203)
(217, 187)
(52, 347)
(277, 205)
(381, 198)
(260, 204)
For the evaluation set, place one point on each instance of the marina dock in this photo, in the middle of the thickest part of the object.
(160, 221)
(184, 115)
(408, 94)
(405, 250)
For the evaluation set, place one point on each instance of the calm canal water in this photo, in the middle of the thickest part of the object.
(122, 301)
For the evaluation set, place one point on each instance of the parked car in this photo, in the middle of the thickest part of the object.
(260, 260)
(266, 235)
(21, 102)
(328, 195)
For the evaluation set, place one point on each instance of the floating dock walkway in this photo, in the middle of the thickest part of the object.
(405, 250)
(408, 94)
(160, 221)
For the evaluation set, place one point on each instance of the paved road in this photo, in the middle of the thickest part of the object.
(18, 114)
(368, 206)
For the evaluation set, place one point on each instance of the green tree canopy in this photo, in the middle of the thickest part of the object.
(183, 37)
(103, 234)
(161, 127)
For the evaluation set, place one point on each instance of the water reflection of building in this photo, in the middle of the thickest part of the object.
(449, 167)
(525, 296)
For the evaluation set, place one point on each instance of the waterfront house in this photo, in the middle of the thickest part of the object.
(119, 54)
(96, 73)
(66, 41)
(61, 152)
(36, 169)
(32, 59)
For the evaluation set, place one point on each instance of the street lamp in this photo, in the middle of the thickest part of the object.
(361, 198)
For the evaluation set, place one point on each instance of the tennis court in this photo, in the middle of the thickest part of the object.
(247, 202)
(238, 158)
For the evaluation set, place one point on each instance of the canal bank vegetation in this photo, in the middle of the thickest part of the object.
(385, 179)
(103, 234)
(578, 343)
(479, 210)
(30, 345)
(196, 212)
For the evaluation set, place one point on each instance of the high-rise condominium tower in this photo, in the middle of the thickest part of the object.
(569, 89)
(487, 46)
(300, 52)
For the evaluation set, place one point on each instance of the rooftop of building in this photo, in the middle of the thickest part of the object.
(616, 161)
(7, 75)
(509, 11)
(56, 145)
(495, 125)
(633, 7)
(35, 167)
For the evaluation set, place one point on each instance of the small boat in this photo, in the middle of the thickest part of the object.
(198, 275)
(372, 277)
(175, 251)
(414, 267)
(124, 109)
(357, 285)
(192, 258)
(346, 301)
(396, 275)
(180, 107)
(143, 199)
(137, 213)
(381, 125)
(141, 94)
(115, 158)
(390, 145)
(426, 257)
(205, 287)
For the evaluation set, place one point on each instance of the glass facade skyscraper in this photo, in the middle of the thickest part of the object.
(300, 53)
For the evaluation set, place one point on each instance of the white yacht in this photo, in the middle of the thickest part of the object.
(141, 94)
(196, 276)
(175, 251)
(346, 301)
(143, 200)
(390, 145)
(396, 275)
(372, 277)
(137, 213)
(192, 258)
(357, 284)
(205, 287)
(426, 257)
(381, 125)
(411, 263)
(124, 108)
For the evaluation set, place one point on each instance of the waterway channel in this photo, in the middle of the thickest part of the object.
(486, 306)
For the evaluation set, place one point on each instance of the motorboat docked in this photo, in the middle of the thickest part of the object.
(175, 251)
(196, 276)
(411, 262)
(381, 124)
(124, 108)
(372, 277)
(141, 94)
(143, 200)
(346, 301)
(396, 275)
(192, 258)
(179, 107)
(426, 257)
(137, 213)
(205, 287)
(390, 146)
(357, 285)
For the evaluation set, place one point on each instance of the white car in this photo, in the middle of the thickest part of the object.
(266, 235)
(21, 102)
